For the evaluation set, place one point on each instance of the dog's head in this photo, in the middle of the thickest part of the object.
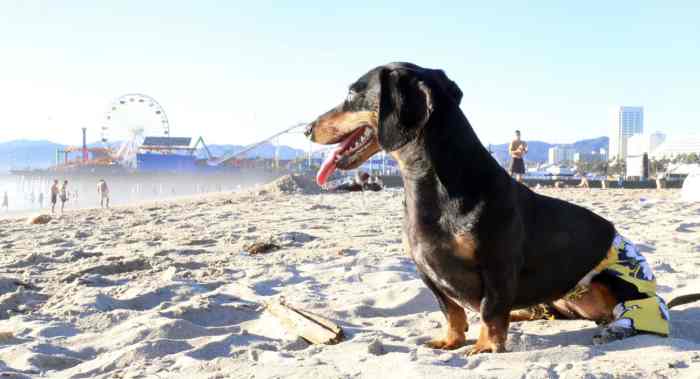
(385, 109)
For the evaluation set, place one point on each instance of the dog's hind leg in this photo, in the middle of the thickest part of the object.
(594, 302)
(456, 320)
(525, 314)
(535, 312)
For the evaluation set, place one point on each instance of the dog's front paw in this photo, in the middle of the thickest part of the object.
(444, 344)
(479, 348)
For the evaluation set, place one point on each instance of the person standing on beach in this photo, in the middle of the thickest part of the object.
(64, 195)
(54, 195)
(517, 150)
(41, 200)
(5, 202)
(103, 193)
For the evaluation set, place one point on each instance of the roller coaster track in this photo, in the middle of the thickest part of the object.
(238, 154)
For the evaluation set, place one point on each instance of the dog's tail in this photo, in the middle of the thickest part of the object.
(684, 299)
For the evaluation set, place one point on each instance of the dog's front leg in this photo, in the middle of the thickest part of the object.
(496, 304)
(456, 320)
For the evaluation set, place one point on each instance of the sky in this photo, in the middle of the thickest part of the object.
(237, 72)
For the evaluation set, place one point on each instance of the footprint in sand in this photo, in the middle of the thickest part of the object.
(688, 227)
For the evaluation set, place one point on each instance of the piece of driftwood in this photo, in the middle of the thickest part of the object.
(39, 219)
(260, 247)
(311, 327)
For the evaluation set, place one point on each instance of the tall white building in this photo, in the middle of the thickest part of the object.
(559, 154)
(628, 121)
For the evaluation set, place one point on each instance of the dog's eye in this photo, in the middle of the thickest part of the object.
(351, 96)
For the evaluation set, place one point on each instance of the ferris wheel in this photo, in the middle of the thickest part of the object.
(130, 118)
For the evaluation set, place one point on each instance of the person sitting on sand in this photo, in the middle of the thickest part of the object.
(358, 184)
(54, 195)
(5, 201)
(103, 193)
(374, 184)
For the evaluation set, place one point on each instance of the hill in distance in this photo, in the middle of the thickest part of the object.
(538, 151)
(21, 154)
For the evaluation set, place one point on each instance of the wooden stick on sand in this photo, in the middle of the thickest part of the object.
(309, 326)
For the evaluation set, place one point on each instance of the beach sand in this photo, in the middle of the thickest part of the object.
(166, 290)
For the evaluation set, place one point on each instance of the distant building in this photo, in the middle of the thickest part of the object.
(639, 144)
(593, 156)
(677, 145)
(559, 154)
(628, 122)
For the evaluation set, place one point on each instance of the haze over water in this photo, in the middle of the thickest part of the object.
(124, 190)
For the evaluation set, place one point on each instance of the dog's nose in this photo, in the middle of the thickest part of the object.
(309, 131)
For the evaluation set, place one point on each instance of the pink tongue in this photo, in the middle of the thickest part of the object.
(327, 168)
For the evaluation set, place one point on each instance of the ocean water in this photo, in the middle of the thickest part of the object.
(21, 198)
(24, 194)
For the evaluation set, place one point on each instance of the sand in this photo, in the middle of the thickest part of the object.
(166, 290)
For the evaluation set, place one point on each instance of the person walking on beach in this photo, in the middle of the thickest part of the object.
(103, 193)
(517, 150)
(5, 202)
(41, 200)
(54, 195)
(584, 180)
(64, 195)
(661, 180)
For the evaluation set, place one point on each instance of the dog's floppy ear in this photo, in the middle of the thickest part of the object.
(405, 105)
(446, 85)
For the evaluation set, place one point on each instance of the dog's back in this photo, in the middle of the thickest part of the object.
(564, 238)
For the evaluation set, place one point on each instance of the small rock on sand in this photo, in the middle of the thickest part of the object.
(253, 355)
(376, 348)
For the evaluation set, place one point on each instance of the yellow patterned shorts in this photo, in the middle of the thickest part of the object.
(649, 314)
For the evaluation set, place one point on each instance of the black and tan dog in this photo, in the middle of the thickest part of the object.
(481, 240)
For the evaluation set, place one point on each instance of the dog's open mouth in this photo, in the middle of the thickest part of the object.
(354, 149)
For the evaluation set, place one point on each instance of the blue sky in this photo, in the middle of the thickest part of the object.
(236, 72)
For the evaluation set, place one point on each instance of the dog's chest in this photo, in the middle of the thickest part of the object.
(449, 259)
(452, 265)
